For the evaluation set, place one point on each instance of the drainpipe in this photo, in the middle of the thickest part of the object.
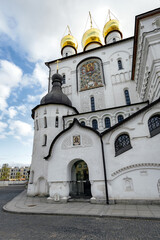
(105, 173)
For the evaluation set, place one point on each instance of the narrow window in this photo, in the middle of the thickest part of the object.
(56, 122)
(83, 123)
(95, 124)
(120, 64)
(45, 122)
(114, 40)
(154, 125)
(66, 54)
(37, 127)
(45, 111)
(64, 79)
(107, 122)
(44, 140)
(127, 97)
(120, 118)
(92, 104)
(122, 144)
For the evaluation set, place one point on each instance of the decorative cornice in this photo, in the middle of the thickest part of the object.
(139, 165)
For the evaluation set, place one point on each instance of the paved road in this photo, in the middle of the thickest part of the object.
(38, 227)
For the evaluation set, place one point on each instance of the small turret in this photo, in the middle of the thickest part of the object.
(69, 44)
(111, 31)
(56, 95)
(91, 38)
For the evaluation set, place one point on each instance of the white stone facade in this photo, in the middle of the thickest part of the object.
(113, 129)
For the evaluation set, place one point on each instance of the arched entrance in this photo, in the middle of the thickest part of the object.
(80, 186)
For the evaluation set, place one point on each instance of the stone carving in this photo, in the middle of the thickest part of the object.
(122, 77)
(128, 183)
(135, 166)
(143, 173)
(77, 140)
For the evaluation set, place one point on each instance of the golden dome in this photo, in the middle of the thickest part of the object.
(69, 41)
(110, 26)
(93, 35)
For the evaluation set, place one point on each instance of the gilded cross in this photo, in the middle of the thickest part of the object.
(57, 64)
(90, 19)
(69, 30)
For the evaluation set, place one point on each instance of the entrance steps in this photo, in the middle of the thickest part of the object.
(87, 200)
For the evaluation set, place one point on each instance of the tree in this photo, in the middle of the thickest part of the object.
(18, 175)
(5, 173)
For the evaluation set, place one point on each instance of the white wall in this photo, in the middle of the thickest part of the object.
(65, 154)
(39, 164)
(111, 95)
(140, 164)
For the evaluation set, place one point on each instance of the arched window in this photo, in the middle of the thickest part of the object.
(45, 122)
(126, 93)
(64, 78)
(120, 118)
(44, 140)
(122, 144)
(94, 124)
(154, 125)
(92, 104)
(120, 64)
(114, 40)
(83, 123)
(107, 122)
(56, 122)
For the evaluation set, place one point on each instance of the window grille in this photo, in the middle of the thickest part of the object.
(120, 64)
(122, 144)
(95, 124)
(83, 123)
(64, 79)
(154, 125)
(92, 104)
(127, 97)
(56, 122)
(120, 118)
(107, 122)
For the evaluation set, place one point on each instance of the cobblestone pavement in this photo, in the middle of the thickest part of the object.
(37, 227)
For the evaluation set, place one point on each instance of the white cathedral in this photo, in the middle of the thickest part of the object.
(97, 131)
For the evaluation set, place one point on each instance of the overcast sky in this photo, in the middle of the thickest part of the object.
(30, 34)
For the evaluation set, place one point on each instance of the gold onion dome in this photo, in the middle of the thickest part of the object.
(110, 26)
(69, 41)
(93, 35)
